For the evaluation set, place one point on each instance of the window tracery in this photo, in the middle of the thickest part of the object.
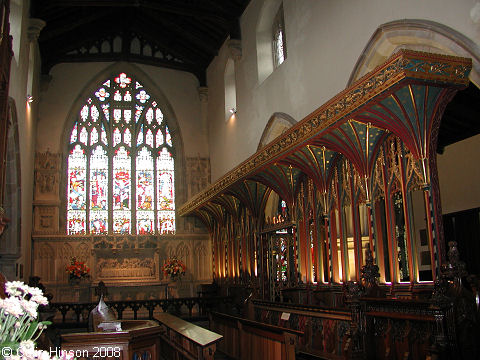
(121, 173)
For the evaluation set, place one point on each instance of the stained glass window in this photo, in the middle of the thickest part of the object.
(77, 165)
(145, 192)
(279, 45)
(283, 259)
(121, 163)
(121, 191)
(166, 192)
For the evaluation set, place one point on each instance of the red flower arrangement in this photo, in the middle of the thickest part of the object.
(173, 268)
(77, 269)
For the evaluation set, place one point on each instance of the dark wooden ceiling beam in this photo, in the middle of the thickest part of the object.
(133, 58)
(191, 31)
(148, 60)
(68, 41)
(183, 51)
(68, 25)
(188, 32)
(168, 45)
(173, 7)
(40, 9)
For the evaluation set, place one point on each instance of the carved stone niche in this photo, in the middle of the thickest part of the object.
(47, 168)
(132, 267)
(45, 220)
(198, 174)
(46, 185)
(47, 161)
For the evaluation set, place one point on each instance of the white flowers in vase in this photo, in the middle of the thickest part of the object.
(19, 328)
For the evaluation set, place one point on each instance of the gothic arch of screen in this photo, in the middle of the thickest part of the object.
(120, 164)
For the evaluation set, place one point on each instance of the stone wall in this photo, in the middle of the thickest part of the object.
(129, 265)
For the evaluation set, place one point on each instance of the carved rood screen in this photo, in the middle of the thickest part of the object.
(350, 173)
(404, 67)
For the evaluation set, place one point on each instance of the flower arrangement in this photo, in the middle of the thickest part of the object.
(173, 268)
(19, 328)
(77, 269)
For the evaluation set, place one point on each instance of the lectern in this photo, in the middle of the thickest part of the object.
(137, 340)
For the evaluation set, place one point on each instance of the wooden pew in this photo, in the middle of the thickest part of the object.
(247, 339)
(326, 330)
(183, 340)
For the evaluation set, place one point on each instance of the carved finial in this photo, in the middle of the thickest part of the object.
(101, 290)
(370, 271)
(449, 282)
(370, 276)
(440, 290)
(352, 290)
(455, 268)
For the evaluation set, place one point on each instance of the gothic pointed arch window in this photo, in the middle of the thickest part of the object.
(121, 163)
(279, 44)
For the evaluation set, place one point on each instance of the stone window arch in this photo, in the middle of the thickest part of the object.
(123, 151)
(415, 34)
(230, 90)
(271, 38)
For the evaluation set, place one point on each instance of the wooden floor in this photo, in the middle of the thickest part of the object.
(221, 356)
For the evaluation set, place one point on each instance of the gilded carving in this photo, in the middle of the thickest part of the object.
(414, 175)
(378, 184)
(345, 184)
(359, 186)
(333, 188)
(393, 159)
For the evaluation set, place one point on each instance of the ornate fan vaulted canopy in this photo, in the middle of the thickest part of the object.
(405, 96)
(177, 34)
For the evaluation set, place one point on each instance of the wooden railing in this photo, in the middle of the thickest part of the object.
(77, 313)
(247, 339)
(180, 339)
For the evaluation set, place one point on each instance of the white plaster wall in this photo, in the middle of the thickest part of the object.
(69, 80)
(459, 175)
(324, 40)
